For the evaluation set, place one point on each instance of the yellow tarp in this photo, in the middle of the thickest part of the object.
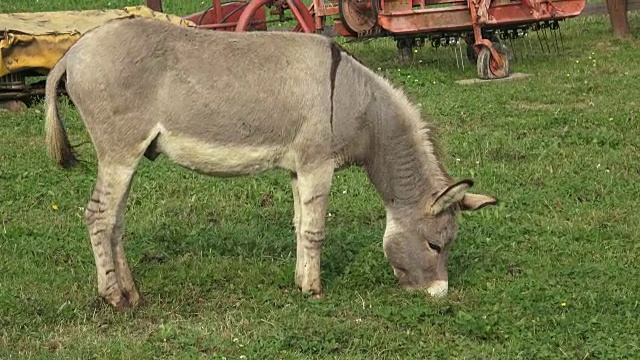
(38, 40)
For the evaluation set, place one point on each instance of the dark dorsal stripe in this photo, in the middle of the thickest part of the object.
(336, 56)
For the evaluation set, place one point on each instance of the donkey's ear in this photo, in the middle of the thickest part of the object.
(449, 196)
(471, 202)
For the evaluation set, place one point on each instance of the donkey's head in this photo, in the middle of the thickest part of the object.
(417, 240)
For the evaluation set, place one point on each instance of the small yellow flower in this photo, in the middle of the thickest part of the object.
(54, 207)
(563, 304)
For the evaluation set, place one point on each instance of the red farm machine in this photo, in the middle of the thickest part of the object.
(412, 23)
(31, 43)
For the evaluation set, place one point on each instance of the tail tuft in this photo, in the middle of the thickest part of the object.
(57, 140)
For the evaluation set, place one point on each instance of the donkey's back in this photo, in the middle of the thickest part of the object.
(201, 97)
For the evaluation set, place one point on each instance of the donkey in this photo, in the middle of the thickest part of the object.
(236, 104)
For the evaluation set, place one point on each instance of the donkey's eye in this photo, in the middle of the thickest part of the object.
(435, 247)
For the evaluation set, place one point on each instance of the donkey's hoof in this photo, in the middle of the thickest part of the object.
(315, 292)
(118, 301)
(133, 297)
(140, 302)
(121, 304)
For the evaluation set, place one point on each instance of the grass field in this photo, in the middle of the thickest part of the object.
(552, 273)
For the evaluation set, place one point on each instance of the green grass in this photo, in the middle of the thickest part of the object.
(552, 273)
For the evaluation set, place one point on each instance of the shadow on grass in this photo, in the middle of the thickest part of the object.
(264, 242)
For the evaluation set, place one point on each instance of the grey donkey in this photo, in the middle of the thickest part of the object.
(233, 104)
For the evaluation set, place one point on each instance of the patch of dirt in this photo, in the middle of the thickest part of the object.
(531, 105)
(537, 106)
(605, 46)
(514, 76)
(266, 200)
(13, 106)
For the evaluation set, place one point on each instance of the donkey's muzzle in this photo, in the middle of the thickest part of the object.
(439, 288)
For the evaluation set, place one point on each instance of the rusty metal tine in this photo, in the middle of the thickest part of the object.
(540, 40)
(437, 58)
(460, 52)
(455, 53)
(553, 34)
(527, 52)
(531, 51)
(546, 39)
(561, 39)
(555, 40)
(513, 49)
(461, 56)
(448, 52)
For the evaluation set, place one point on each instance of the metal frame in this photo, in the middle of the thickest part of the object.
(405, 20)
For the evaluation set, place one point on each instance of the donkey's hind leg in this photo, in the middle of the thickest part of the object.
(122, 267)
(104, 217)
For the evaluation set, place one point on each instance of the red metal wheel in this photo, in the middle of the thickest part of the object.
(299, 10)
(303, 15)
(358, 16)
(244, 21)
(489, 67)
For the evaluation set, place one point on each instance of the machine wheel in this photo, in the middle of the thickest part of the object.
(471, 52)
(248, 13)
(358, 16)
(487, 66)
(405, 50)
(299, 10)
(306, 21)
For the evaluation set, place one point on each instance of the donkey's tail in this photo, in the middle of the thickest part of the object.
(57, 141)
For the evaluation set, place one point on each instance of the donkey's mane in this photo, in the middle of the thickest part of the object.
(424, 136)
(421, 137)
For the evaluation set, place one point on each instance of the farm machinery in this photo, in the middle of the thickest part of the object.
(412, 23)
(32, 43)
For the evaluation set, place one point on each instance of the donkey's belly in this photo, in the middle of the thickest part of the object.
(224, 159)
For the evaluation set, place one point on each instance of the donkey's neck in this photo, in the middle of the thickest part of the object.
(403, 162)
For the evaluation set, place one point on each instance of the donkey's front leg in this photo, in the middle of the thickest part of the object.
(313, 194)
(296, 224)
